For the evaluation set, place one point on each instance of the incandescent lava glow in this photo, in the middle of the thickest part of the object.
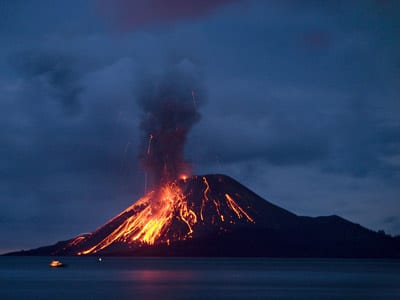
(184, 177)
(157, 210)
(177, 211)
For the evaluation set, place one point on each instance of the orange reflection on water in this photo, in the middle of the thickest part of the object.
(161, 276)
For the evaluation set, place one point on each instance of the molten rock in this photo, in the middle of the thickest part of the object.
(215, 215)
(180, 210)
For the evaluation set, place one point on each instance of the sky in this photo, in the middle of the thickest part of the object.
(299, 102)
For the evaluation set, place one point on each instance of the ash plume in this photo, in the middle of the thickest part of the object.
(170, 103)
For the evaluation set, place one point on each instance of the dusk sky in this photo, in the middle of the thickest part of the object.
(299, 101)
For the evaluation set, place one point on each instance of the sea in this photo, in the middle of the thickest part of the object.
(198, 278)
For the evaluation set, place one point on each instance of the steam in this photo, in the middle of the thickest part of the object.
(170, 103)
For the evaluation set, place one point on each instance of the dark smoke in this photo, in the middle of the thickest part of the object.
(169, 112)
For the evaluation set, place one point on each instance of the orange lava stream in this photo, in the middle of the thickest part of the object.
(148, 220)
(205, 197)
(237, 209)
(76, 241)
(149, 223)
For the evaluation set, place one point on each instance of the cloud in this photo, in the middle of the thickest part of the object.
(132, 14)
(363, 142)
(52, 162)
(51, 75)
(241, 139)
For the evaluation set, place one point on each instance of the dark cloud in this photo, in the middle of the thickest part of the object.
(53, 74)
(291, 153)
(290, 146)
(361, 140)
(138, 13)
(53, 163)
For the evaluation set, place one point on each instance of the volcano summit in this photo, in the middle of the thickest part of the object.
(214, 215)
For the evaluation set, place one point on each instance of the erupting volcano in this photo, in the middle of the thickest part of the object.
(210, 215)
(214, 215)
(180, 210)
(175, 207)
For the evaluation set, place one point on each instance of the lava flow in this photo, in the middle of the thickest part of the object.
(216, 216)
(175, 212)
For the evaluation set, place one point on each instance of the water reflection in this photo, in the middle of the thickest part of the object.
(127, 278)
(210, 283)
(162, 284)
(159, 276)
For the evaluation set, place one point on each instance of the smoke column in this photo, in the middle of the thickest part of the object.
(168, 115)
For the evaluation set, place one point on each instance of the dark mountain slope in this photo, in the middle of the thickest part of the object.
(215, 215)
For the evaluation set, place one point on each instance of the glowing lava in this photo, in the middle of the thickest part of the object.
(157, 209)
(174, 212)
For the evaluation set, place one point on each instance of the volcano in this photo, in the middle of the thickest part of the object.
(214, 215)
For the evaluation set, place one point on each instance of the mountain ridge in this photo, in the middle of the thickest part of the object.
(215, 215)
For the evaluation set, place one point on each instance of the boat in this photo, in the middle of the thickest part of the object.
(56, 264)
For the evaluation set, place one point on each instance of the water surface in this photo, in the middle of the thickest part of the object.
(198, 278)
